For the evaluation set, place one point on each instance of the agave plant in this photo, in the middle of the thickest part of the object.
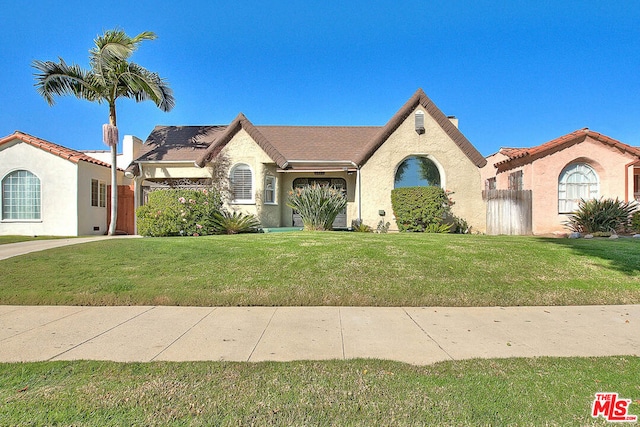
(601, 215)
(318, 205)
(234, 223)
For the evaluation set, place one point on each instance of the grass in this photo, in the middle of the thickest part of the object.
(4, 240)
(348, 269)
(538, 391)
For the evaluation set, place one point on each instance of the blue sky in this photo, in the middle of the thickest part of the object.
(515, 73)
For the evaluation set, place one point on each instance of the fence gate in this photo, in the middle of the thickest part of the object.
(508, 211)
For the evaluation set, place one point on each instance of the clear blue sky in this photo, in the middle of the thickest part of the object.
(515, 73)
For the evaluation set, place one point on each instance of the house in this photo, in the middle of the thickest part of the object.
(267, 162)
(582, 164)
(51, 190)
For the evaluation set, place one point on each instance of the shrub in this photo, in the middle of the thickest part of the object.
(382, 227)
(234, 223)
(359, 227)
(635, 221)
(318, 205)
(600, 215)
(422, 209)
(175, 212)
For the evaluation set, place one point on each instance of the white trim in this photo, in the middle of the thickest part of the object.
(250, 201)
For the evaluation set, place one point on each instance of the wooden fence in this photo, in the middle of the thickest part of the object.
(508, 211)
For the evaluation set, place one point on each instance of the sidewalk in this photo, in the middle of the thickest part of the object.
(419, 336)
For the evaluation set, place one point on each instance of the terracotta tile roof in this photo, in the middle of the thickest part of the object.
(420, 98)
(58, 150)
(521, 156)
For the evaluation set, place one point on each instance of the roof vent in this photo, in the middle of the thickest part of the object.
(419, 122)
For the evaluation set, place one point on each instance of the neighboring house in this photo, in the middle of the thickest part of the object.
(48, 189)
(581, 165)
(267, 162)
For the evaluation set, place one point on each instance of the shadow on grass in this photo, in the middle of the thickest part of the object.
(622, 254)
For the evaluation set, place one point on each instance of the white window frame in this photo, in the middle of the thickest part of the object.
(232, 179)
(588, 188)
(270, 180)
(36, 215)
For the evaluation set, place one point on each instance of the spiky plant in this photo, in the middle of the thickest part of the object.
(235, 223)
(601, 215)
(318, 205)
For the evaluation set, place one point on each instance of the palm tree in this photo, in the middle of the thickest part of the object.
(111, 76)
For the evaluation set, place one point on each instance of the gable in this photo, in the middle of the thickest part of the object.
(421, 99)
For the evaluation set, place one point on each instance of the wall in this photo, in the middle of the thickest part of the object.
(457, 173)
(243, 149)
(58, 179)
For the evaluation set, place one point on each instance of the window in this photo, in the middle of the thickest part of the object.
(270, 189)
(577, 181)
(21, 196)
(490, 184)
(98, 193)
(417, 171)
(515, 181)
(242, 184)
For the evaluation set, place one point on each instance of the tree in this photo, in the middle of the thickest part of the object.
(111, 76)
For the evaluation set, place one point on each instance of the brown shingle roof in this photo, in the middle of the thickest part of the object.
(287, 144)
(521, 156)
(420, 98)
(178, 143)
(58, 150)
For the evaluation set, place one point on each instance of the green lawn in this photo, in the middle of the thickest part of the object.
(540, 391)
(15, 239)
(349, 269)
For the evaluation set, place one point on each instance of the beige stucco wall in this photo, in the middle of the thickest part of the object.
(243, 149)
(543, 174)
(58, 181)
(457, 172)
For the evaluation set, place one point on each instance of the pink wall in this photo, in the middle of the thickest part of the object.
(542, 176)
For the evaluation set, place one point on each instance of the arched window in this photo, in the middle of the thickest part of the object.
(577, 181)
(242, 183)
(417, 171)
(21, 196)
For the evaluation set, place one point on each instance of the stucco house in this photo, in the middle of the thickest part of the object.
(266, 162)
(51, 190)
(582, 164)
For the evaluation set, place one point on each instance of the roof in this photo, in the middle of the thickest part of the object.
(58, 150)
(421, 98)
(520, 156)
(291, 147)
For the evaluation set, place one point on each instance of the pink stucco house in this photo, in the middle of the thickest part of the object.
(582, 164)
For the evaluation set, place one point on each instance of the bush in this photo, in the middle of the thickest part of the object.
(601, 215)
(318, 205)
(360, 227)
(176, 212)
(423, 209)
(635, 222)
(234, 223)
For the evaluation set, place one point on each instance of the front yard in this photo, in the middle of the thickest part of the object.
(540, 391)
(330, 268)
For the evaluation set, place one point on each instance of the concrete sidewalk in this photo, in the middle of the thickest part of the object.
(415, 335)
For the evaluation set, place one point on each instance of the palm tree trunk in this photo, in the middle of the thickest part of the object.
(114, 175)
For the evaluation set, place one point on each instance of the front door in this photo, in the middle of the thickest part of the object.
(338, 183)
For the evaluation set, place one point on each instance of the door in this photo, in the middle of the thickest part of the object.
(125, 223)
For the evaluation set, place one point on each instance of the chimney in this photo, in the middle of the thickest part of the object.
(454, 120)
